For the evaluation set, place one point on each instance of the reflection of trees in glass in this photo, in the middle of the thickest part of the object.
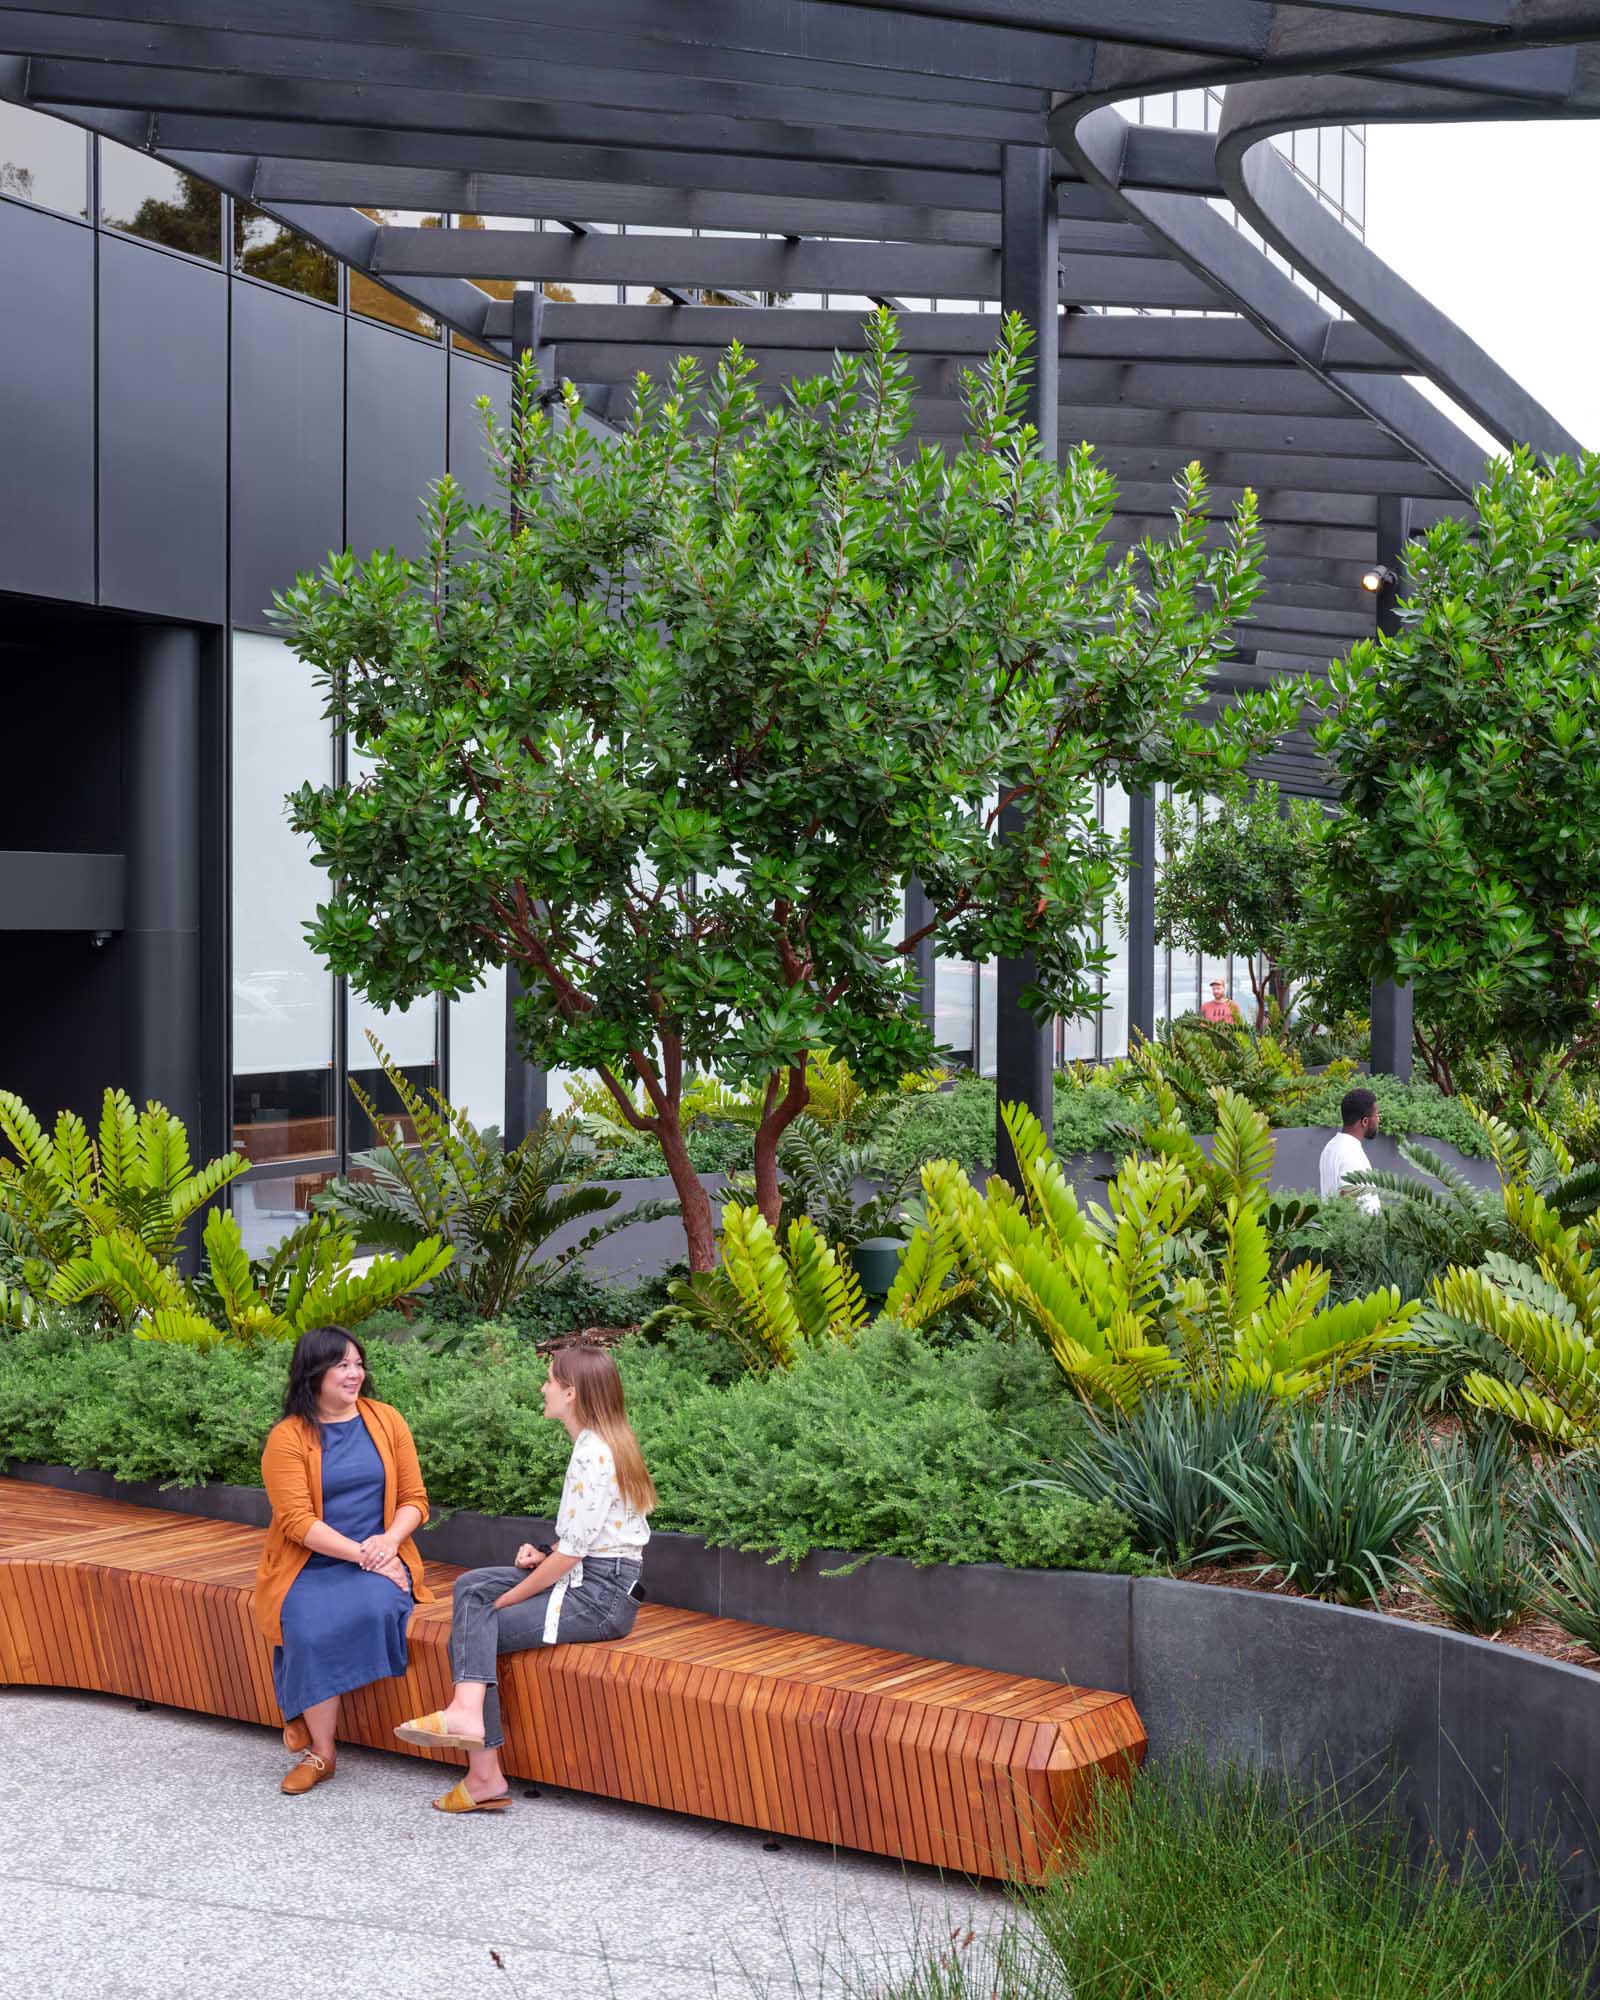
(264, 248)
(16, 179)
(374, 301)
(192, 222)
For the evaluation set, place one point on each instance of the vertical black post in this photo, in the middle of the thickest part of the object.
(1029, 285)
(1141, 914)
(527, 1086)
(918, 912)
(1391, 1004)
(163, 1018)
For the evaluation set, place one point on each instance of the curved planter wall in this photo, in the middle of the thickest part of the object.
(1474, 1737)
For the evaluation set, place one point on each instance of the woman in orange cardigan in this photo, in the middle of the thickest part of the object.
(340, 1573)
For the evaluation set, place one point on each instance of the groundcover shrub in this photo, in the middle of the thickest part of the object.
(885, 1446)
(1234, 1887)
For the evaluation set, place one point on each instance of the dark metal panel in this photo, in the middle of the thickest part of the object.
(287, 463)
(61, 892)
(470, 379)
(162, 783)
(394, 437)
(163, 433)
(47, 396)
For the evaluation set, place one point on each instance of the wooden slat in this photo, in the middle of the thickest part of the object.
(955, 1766)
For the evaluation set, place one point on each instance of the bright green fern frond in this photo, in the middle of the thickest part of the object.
(757, 1272)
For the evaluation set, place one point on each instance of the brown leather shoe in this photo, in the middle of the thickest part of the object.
(296, 1736)
(311, 1770)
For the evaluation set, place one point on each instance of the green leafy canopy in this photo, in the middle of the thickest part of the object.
(670, 729)
(1467, 745)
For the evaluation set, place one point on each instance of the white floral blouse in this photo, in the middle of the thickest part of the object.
(594, 1519)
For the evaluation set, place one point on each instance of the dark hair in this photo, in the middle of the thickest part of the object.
(317, 1350)
(1357, 1104)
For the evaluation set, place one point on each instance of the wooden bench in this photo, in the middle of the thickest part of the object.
(981, 1772)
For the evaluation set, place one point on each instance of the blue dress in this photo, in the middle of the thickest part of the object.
(343, 1626)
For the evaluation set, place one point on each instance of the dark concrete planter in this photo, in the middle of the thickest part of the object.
(1470, 1736)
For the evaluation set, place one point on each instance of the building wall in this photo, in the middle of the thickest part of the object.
(181, 438)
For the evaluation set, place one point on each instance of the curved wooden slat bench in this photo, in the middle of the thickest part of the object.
(982, 1772)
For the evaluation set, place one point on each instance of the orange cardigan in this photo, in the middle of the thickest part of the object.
(291, 1471)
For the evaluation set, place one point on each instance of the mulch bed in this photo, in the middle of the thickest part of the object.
(1534, 1635)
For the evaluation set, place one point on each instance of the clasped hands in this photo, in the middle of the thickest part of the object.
(381, 1554)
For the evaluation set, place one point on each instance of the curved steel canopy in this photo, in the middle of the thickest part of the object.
(824, 121)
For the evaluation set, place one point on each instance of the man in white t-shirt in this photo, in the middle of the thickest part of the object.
(1345, 1154)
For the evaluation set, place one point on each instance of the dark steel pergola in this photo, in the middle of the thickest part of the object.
(955, 149)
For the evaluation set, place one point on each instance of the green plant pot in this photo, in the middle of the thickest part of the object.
(876, 1262)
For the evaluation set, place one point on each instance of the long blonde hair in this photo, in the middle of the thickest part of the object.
(597, 1406)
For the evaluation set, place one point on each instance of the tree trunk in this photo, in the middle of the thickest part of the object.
(692, 1197)
(776, 1118)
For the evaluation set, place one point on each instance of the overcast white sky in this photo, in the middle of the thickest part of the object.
(1494, 223)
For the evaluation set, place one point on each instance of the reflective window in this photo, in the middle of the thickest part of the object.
(283, 1086)
(43, 159)
(478, 1052)
(145, 197)
(267, 249)
(374, 301)
(953, 1008)
(410, 1040)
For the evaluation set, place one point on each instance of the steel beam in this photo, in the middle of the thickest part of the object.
(1024, 1044)
(727, 264)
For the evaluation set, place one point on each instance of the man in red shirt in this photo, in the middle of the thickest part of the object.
(1219, 1007)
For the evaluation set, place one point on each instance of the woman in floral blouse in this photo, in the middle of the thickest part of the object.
(585, 1588)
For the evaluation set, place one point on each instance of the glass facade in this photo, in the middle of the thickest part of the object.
(43, 160)
(299, 1036)
(144, 197)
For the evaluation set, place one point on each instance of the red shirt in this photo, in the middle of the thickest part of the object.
(1219, 1010)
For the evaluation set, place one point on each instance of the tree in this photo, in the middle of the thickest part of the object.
(1467, 744)
(670, 730)
(1233, 881)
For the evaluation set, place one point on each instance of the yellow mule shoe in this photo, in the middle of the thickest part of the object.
(459, 1800)
(429, 1731)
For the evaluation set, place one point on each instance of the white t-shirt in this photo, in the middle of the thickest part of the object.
(1343, 1155)
(594, 1519)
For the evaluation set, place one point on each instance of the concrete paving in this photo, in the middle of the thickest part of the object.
(148, 1855)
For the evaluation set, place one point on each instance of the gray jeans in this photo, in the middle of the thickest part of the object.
(599, 1607)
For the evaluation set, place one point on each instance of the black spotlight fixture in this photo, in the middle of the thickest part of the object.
(1379, 577)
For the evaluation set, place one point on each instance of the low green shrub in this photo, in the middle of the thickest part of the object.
(1337, 1511)
(893, 1447)
(886, 1446)
(1196, 1886)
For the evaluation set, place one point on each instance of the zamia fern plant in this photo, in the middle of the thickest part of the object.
(1238, 1170)
(496, 1207)
(1530, 1317)
(1196, 1058)
(118, 1199)
(768, 1298)
(1130, 1297)
(1454, 1222)
(310, 1280)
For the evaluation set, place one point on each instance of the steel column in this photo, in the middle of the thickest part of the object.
(162, 764)
(1141, 914)
(1391, 1004)
(918, 911)
(1024, 1046)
